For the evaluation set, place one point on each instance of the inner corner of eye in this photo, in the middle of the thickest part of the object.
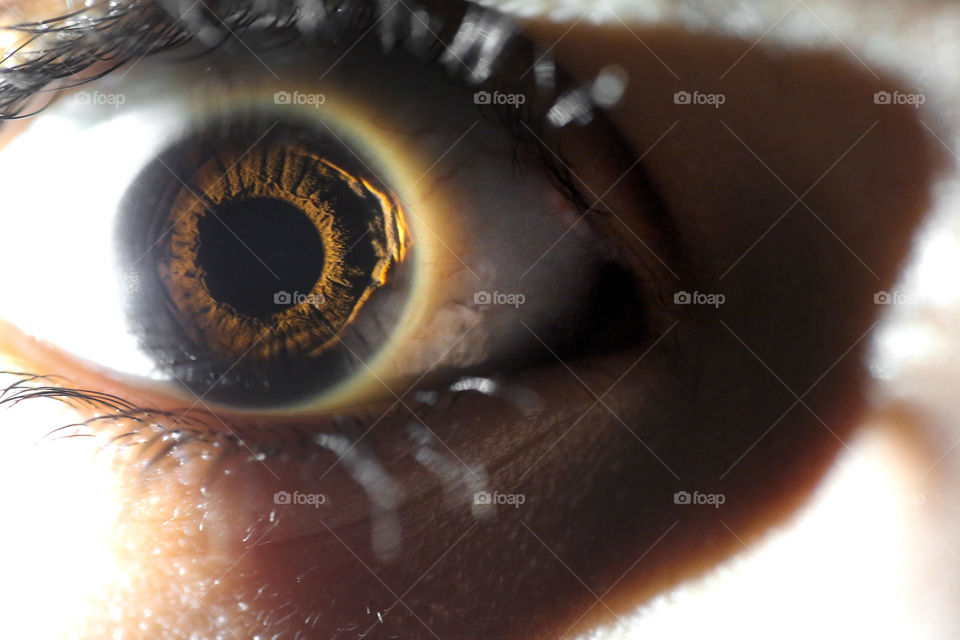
(262, 262)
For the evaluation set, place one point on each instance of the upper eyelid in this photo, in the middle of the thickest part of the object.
(469, 40)
(115, 37)
(130, 32)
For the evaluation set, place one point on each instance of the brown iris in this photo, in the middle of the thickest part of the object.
(259, 245)
(267, 261)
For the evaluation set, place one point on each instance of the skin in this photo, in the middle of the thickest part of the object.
(708, 402)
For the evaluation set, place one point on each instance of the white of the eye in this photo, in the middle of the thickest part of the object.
(66, 176)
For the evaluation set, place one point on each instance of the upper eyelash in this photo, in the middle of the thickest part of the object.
(112, 32)
(86, 44)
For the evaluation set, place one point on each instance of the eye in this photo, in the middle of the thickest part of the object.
(270, 269)
(385, 261)
(299, 243)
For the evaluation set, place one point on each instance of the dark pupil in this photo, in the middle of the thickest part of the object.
(243, 239)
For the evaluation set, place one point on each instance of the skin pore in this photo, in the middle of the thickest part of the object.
(797, 199)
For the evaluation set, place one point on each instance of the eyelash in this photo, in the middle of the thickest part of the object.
(166, 439)
(128, 420)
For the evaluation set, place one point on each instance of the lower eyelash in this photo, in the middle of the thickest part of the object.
(196, 455)
(22, 390)
(159, 439)
(125, 424)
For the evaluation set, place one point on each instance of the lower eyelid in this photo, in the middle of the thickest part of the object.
(171, 453)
